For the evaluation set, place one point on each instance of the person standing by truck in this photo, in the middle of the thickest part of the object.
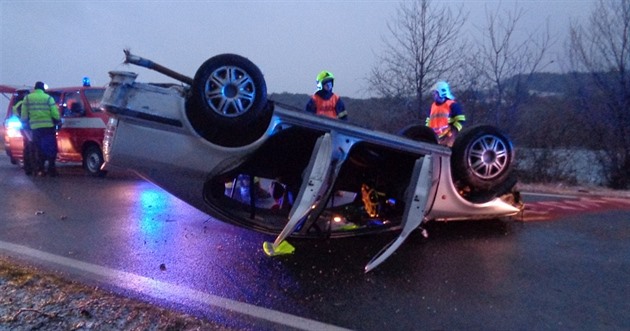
(40, 113)
(28, 153)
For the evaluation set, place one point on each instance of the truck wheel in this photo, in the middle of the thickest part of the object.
(482, 160)
(92, 161)
(228, 102)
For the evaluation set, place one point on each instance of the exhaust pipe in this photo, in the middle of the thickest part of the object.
(140, 61)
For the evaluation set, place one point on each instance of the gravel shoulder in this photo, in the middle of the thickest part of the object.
(33, 299)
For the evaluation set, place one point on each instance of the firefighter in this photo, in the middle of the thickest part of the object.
(447, 116)
(40, 112)
(324, 102)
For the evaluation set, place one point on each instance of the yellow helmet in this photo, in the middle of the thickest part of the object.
(323, 77)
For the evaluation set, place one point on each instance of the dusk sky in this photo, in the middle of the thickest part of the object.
(59, 42)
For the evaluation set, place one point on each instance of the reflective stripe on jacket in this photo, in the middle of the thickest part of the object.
(442, 115)
(40, 110)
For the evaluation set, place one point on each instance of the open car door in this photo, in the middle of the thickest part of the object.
(5, 89)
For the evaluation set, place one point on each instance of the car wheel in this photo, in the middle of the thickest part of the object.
(92, 161)
(419, 133)
(482, 160)
(228, 102)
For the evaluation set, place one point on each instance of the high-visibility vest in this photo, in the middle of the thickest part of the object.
(326, 107)
(438, 119)
(40, 110)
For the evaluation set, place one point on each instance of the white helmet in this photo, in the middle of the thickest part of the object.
(444, 90)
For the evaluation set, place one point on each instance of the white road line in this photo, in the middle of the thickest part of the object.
(163, 290)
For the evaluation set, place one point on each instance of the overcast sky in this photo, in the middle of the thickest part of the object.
(59, 42)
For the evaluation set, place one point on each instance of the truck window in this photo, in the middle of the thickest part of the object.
(94, 97)
(72, 105)
(55, 95)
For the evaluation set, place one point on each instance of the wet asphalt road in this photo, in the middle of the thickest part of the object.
(569, 272)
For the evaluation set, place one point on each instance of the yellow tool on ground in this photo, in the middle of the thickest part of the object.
(283, 248)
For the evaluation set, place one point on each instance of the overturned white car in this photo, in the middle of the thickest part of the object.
(219, 144)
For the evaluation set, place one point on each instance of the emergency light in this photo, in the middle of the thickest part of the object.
(13, 127)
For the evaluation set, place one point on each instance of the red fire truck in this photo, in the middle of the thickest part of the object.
(80, 138)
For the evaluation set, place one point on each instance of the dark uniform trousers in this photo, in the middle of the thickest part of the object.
(45, 141)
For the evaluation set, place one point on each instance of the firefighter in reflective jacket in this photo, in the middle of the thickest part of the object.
(40, 111)
(446, 117)
(324, 102)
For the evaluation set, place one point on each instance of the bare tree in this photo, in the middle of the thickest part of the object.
(504, 63)
(602, 48)
(423, 47)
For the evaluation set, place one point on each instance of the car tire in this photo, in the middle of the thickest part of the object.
(482, 160)
(419, 133)
(228, 102)
(92, 161)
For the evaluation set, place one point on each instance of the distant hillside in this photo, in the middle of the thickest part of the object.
(297, 101)
(553, 82)
(391, 115)
(374, 113)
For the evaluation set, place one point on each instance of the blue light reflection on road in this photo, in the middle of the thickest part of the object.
(153, 206)
(164, 224)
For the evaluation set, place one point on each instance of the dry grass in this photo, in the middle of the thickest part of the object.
(35, 300)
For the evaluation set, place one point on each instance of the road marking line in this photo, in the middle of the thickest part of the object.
(557, 205)
(553, 195)
(167, 291)
(623, 201)
(585, 203)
